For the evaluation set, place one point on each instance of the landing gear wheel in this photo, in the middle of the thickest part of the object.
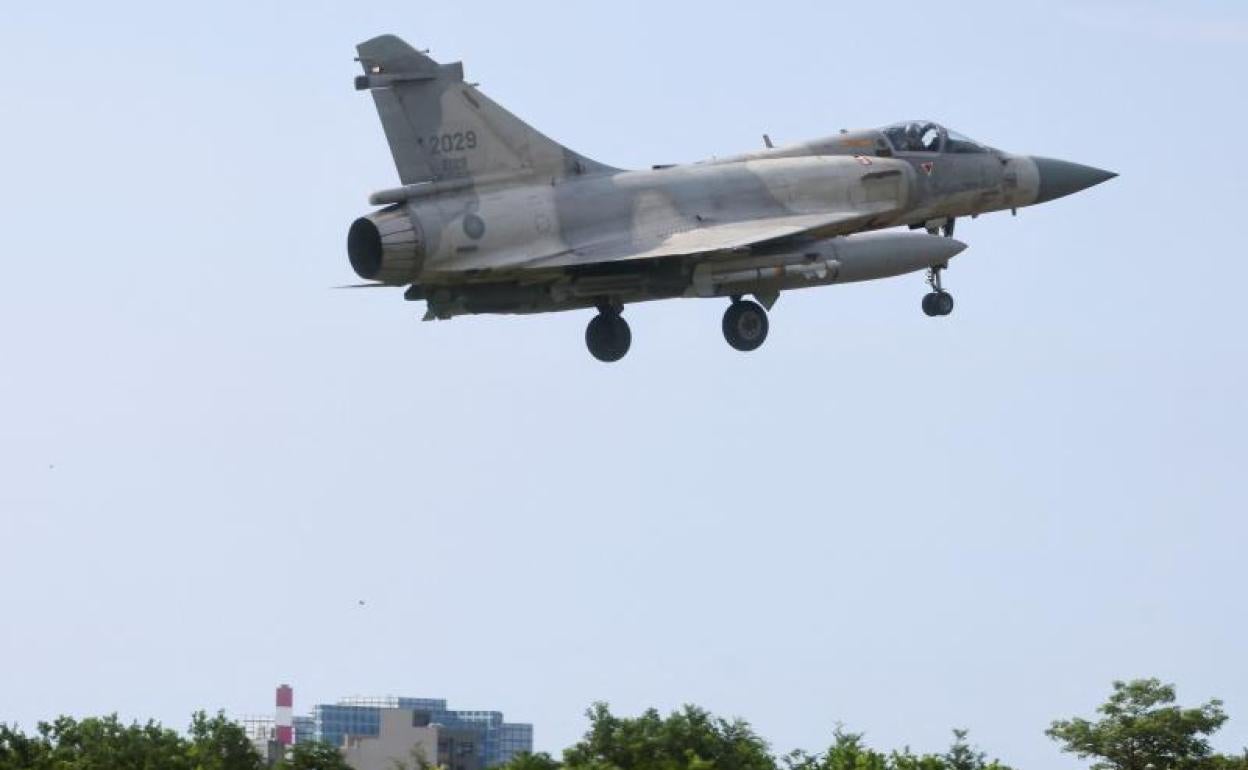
(608, 337)
(938, 303)
(745, 325)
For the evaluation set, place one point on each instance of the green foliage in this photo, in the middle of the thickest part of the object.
(19, 751)
(1225, 762)
(1142, 729)
(220, 744)
(96, 744)
(693, 739)
(107, 744)
(689, 739)
(314, 756)
(540, 761)
(849, 752)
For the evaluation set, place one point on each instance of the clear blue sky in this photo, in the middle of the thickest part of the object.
(207, 457)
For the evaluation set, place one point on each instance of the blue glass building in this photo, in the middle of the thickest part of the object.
(497, 741)
(305, 729)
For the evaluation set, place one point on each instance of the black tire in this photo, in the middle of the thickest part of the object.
(745, 326)
(608, 337)
(937, 304)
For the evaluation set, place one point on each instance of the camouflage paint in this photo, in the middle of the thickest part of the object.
(494, 216)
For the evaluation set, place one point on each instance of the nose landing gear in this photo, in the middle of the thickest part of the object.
(938, 302)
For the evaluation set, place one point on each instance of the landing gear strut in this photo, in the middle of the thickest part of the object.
(745, 325)
(943, 227)
(608, 336)
(939, 302)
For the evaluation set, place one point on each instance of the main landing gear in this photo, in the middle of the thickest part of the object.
(745, 325)
(939, 302)
(608, 336)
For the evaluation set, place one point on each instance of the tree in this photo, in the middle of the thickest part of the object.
(314, 756)
(539, 761)
(1225, 762)
(1142, 729)
(220, 744)
(850, 752)
(19, 751)
(962, 756)
(689, 739)
(103, 743)
(847, 752)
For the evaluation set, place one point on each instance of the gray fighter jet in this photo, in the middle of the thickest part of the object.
(494, 217)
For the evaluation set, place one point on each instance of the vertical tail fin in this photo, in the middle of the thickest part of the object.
(441, 128)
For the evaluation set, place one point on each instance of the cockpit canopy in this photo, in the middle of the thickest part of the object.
(925, 136)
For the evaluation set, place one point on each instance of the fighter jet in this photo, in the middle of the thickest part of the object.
(494, 217)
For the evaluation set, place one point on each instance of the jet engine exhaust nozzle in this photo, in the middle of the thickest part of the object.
(386, 246)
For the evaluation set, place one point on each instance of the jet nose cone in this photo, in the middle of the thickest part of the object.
(1059, 178)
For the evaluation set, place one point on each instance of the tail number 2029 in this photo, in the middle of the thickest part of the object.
(460, 141)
